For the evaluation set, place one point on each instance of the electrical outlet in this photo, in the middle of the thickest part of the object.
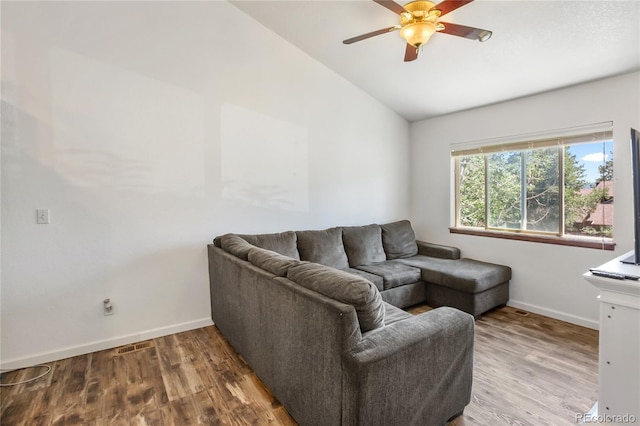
(108, 307)
(42, 216)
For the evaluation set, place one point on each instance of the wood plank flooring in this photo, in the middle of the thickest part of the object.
(528, 370)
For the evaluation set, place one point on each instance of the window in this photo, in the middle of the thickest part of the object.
(546, 189)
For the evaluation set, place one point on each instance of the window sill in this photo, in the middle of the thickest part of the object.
(563, 241)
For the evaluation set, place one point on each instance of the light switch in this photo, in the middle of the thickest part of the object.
(42, 216)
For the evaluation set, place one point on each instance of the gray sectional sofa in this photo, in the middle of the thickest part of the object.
(316, 316)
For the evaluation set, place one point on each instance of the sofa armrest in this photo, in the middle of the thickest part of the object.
(438, 250)
(415, 371)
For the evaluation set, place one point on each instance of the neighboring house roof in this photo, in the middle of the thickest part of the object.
(608, 184)
(602, 215)
(600, 186)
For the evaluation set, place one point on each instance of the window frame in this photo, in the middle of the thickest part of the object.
(601, 132)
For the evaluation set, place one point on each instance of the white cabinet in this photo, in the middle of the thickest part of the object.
(619, 350)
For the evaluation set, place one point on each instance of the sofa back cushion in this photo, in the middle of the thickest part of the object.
(363, 244)
(344, 287)
(271, 261)
(324, 247)
(282, 242)
(234, 244)
(399, 240)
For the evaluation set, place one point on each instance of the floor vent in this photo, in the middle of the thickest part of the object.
(521, 313)
(134, 347)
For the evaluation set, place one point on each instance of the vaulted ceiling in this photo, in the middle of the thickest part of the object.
(536, 46)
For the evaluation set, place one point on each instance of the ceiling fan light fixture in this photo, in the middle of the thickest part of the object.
(418, 33)
(419, 20)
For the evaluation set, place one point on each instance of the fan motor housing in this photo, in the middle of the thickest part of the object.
(419, 10)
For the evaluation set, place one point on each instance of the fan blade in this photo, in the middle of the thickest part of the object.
(450, 5)
(410, 53)
(391, 5)
(466, 32)
(371, 34)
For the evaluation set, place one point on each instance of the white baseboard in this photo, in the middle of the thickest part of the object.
(584, 322)
(100, 345)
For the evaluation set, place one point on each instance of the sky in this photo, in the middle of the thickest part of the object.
(593, 155)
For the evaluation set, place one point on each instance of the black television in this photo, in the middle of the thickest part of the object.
(635, 159)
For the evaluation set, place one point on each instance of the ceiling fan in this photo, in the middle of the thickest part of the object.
(419, 20)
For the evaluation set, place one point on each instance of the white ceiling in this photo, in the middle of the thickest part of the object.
(536, 46)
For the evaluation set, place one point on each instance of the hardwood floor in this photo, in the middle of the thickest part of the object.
(528, 370)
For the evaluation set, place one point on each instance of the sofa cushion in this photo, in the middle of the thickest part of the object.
(344, 287)
(281, 242)
(234, 244)
(399, 240)
(363, 244)
(271, 261)
(375, 279)
(324, 247)
(393, 274)
(465, 275)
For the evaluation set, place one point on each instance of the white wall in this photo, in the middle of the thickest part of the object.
(147, 128)
(546, 278)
